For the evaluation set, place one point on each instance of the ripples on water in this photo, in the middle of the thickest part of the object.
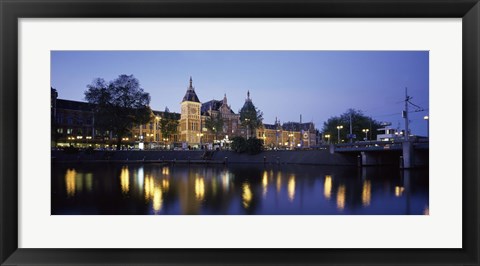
(236, 189)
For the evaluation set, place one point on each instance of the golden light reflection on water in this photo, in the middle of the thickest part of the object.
(157, 199)
(265, 183)
(279, 181)
(327, 187)
(125, 180)
(70, 182)
(341, 197)
(366, 193)
(214, 186)
(153, 192)
(79, 182)
(166, 170)
(76, 182)
(225, 181)
(246, 195)
(291, 188)
(165, 184)
(149, 187)
(399, 191)
(140, 179)
(199, 188)
(89, 181)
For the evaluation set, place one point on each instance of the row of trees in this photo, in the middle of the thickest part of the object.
(359, 122)
(120, 104)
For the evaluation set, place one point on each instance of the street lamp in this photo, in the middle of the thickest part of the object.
(428, 124)
(327, 136)
(338, 128)
(200, 135)
(365, 130)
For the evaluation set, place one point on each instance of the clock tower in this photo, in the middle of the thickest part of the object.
(190, 119)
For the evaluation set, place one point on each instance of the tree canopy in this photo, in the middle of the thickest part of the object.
(214, 124)
(360, 122)
(250, 117)
(118, 104)
(168, 124)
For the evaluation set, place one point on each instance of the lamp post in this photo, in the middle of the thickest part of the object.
(338, 129)
(200, 135)
(365, 130)
(428, 125)
(290, 137)
(327, 136)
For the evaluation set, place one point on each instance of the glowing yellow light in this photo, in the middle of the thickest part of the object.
(165, 170)
(291, 188)
(165, 184)
(246, 195)
(225, 181)
(70, 182)
(157, 199)
(399, 191)
(279, 181)
(149, 187)
(125, 180)
(341, 197)
(327, 187)
(199, 188)
(366, 192)
(265, 183)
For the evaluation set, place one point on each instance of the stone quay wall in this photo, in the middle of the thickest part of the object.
(317, 157)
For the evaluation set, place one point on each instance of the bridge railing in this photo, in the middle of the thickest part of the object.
(368, 145)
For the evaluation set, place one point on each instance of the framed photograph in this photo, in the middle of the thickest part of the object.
(266, 132)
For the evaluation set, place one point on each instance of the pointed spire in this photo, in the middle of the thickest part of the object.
(248, 94)
(225, 99)
(190, 95)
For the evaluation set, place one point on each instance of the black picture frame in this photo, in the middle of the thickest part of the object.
(11, 11)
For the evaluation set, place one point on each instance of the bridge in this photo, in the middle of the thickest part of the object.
(406, 154)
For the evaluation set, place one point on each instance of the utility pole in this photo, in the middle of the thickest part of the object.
(405, 114)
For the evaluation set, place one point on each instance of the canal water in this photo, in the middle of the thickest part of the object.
(157, 189)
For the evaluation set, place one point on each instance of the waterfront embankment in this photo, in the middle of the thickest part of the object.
(315, 157)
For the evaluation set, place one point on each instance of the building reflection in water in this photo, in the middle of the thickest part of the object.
(246, 195)
(399, 191)
(75, 182)
(165, 170)
(140, 178)
(199, 188)
(341, 197)
(279, 182)
(70, 182)
(225, 180)
(265, 183)
(125, 180)
(366, 192)
(157, 199)
(149, 187)
(327, 187)
(291, 187)
(227, 190)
